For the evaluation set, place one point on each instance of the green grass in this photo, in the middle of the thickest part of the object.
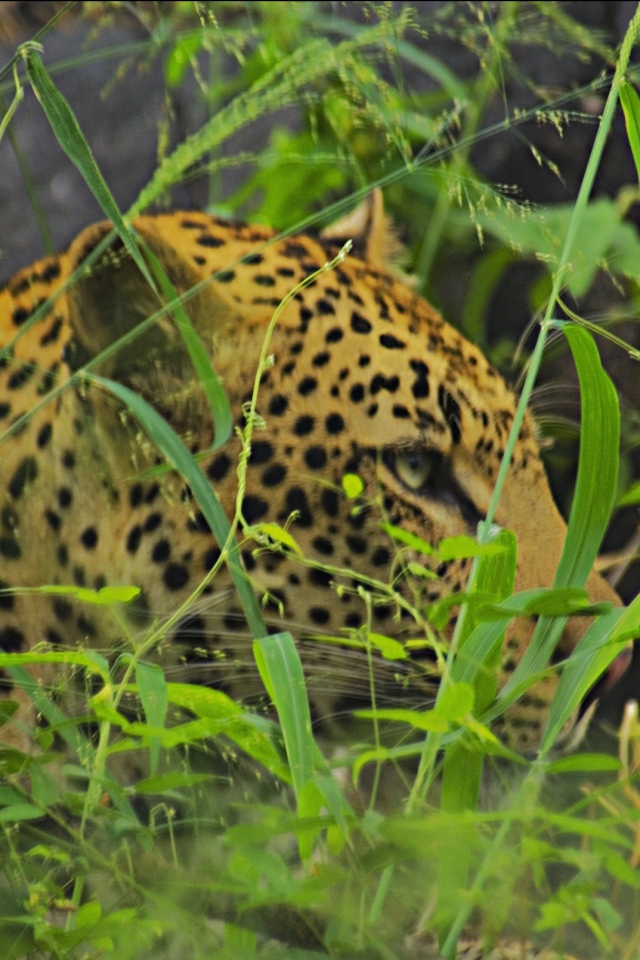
(236, 839)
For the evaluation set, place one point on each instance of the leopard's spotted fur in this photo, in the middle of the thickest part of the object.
(367, 378)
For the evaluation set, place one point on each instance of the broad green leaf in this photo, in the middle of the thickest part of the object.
(152, 690)
(429, 836)
(593, 498)
(279, 664)
(177, 454)
(218, 402)
(20, 811)
(631, 109)
(456, 702)
(603, 238)
(9, 796)
(71, 139)
(352, 485)
(88, 914)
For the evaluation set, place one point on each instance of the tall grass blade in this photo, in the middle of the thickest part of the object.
(463, 768)
(71, 139)
(177, 454)
(152, 690)
(593, 499)
(281, 670)
(631, 109)
(216, 396)
(598, 648)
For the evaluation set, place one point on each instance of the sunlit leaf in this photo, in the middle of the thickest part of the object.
(458, 548)
(352, 485)
(408, 539)
(275, 532)
(389, 648)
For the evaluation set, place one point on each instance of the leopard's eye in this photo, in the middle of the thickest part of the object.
(413, 467)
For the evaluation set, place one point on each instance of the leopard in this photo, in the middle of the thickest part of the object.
(366, 379)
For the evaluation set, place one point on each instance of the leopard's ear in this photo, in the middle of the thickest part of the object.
(112, 298)
(373, 234)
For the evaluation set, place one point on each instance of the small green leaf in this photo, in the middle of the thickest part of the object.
(423, 573)
(352, 485)
(631, 108)
(458, 548)
(279, 534)
(48, 853)
(389, 648)
(408, 539)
